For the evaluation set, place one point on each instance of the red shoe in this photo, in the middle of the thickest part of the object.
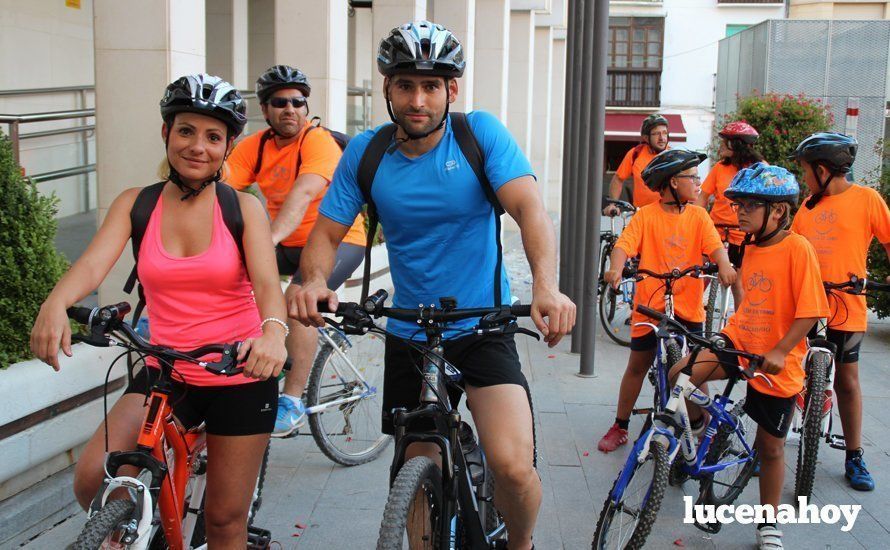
(613, 439)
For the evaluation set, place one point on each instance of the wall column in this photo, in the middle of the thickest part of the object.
(492, 43)
(387, 15)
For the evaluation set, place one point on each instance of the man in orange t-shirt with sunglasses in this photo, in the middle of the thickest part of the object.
(293, 163)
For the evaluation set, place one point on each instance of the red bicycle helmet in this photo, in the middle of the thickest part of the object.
(739, 130)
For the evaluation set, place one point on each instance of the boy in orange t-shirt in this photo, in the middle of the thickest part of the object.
(782, 302)
(840, 220)
(668, 234)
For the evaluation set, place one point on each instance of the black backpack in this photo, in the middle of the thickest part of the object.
(341, 139)
(145, 204)
(469, 146)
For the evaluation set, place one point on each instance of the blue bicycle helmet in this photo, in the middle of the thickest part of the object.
(764, 182)
(833, 150)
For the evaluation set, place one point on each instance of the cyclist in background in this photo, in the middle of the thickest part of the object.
(293, 163)
(199, 291)
(840, 219)
(654, 136)
(736, 151)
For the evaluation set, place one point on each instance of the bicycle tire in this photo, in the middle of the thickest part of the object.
(608, 305)
(418, 474)
(710, 308)
(314, 396)
(261, 480)
(648, 512)
(811, 426)
(103, 523)
(720, 445)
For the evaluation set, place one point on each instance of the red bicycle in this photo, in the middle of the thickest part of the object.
(163, 506)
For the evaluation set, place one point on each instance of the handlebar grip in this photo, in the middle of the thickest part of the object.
(628, 272)
(649, 312)
(521, 310)
(710, 269)
(80, 314)
(323, 307)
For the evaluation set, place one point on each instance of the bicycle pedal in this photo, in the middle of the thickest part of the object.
(837, 442)
(258, 538)
(647, 410)
(712, 528)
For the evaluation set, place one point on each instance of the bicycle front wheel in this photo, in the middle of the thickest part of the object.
(615, 312)
(811, 432)
(625, 523)
(345, 386)
(725, 486)
(107, 527)
(415, 502)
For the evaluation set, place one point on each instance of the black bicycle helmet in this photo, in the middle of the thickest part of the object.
(650, 122)
(206, 95)
(833, 150)
(278, 77)
(667, 164)
(421, 47)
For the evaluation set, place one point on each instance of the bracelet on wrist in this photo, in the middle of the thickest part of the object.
(278, 321)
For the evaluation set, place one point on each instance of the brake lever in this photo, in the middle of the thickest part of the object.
(94, 339)
(227, 363)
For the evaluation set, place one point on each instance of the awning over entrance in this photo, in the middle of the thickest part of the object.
(626, 126)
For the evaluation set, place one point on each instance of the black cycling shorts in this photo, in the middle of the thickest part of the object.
(848, 344)
(483, 360)
(771, 413)
(349, 257)
(648, 341)
(245, 409)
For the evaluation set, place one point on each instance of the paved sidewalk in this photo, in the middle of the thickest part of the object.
(341, 508)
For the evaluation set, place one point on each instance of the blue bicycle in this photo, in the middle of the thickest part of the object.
(723, 461)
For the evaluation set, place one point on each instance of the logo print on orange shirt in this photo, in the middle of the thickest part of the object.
(675, 250)
(757, 281)
(825, 222)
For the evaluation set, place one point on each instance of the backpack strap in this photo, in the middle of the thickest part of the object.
(367, 169)
(140, 213)
(300, 148)
(227, 198)
(267, 135)
(469, 146)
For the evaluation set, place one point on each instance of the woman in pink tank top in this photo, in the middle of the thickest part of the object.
(199, 290)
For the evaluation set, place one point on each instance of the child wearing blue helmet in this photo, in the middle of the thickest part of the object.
(783, 299)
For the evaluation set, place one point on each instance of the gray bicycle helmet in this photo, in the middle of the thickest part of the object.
(833, 150)
(206, 95)
(668, 164)
(652, 121)
(278, 77)
(421, 47)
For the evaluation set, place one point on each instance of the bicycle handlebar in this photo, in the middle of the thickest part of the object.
(857, 285)
(102, 321)
(622, 206)
(674, 274)
(715, 343)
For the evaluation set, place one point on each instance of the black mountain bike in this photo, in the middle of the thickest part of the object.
(450, 507)
(615, 305)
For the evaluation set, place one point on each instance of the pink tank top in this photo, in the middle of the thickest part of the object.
(197, 300)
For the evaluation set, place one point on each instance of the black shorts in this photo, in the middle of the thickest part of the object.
(349, 257)
(245, 409)
(649, 341)
(734, 251)
(484, 361)
(771, 413)
(847, 343)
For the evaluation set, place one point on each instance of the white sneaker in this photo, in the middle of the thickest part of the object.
(769, 538)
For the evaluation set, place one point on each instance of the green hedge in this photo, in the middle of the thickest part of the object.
(783, 121)
(29, 264)
(878, 264)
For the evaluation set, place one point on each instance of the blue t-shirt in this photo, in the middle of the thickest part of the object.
(439, 226)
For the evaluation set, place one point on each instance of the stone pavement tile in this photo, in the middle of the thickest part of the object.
(337, 527)
(547, 533)
(574, 506)
(557, 442)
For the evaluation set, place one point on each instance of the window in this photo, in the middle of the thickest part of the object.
(635, 53)
(735, 29)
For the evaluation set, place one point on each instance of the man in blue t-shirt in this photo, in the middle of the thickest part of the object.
(441, 239)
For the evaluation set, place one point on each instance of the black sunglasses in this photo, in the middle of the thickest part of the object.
(281, 102)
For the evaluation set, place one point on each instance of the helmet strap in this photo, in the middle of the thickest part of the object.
(676, 202)
(822, 187)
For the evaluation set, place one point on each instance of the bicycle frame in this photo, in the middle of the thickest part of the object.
(365, 393)
(834, 440)
(160, 439)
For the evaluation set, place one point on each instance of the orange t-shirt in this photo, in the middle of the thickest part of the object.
(319, 154)
(841, 228)
(666, 241)
(781, 284)
(630, 167)
(715, 184)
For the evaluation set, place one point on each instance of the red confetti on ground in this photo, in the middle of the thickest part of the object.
(679, 542)
(300, 526)
(296, 535)
(551, 357)
(586, 453)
